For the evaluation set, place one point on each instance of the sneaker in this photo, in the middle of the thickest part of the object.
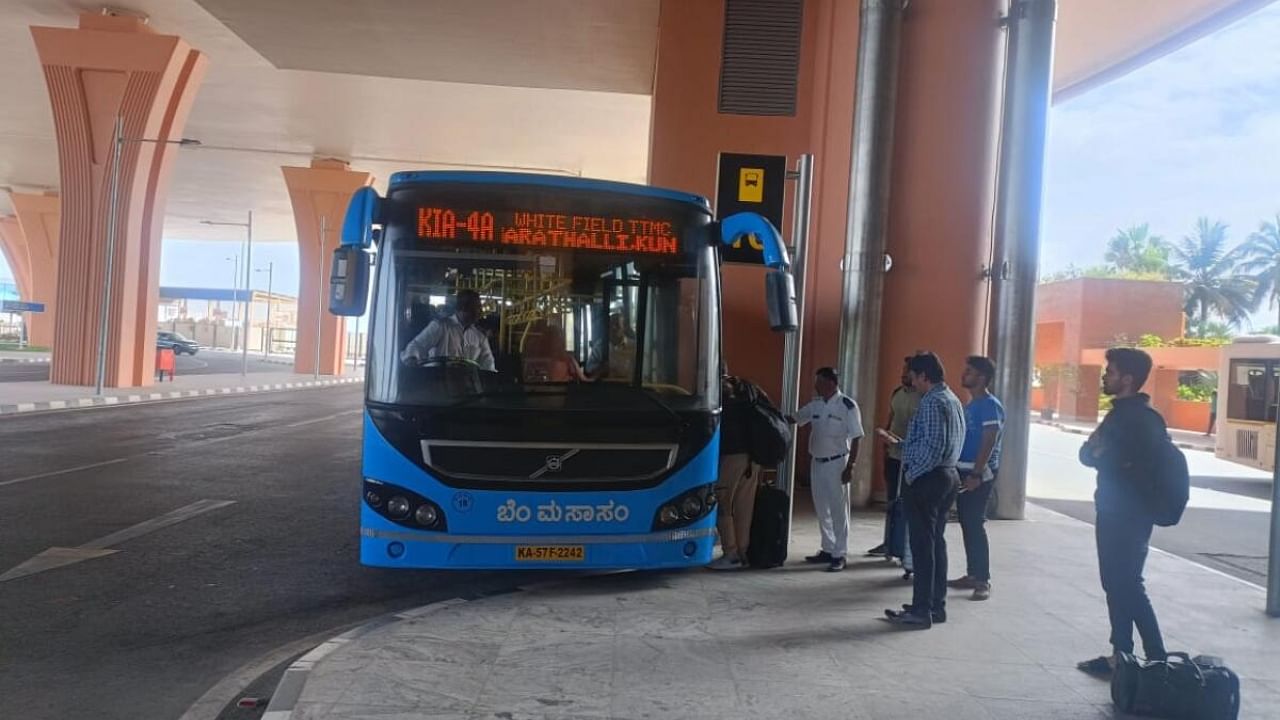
(963, 583)
(725, 562)
(937, 616)
(981, 591)
(909, 619)
(837, 564)
(878, 550)
(821, 557)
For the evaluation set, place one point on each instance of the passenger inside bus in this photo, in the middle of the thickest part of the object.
(621, 351)
(547, 358)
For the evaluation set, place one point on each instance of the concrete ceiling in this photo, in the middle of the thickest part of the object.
(253, 117)
(604, 45)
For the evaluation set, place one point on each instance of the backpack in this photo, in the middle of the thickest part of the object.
(1170, 484)
(768, 432)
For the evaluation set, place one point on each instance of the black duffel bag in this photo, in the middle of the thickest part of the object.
(1179, 688)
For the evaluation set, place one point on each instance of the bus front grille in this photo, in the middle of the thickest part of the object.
(552, 463)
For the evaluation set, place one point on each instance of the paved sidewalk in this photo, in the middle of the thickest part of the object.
(1184, 439)
(40, 396)
(789, 643)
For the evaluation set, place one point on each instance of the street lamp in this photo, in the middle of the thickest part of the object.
(248, 291)
(113, 211)
(266, 344)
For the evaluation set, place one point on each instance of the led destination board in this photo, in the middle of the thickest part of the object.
(562, 231)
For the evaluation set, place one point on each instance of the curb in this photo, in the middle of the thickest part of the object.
(88, 402)
(1079, 431)
(24, 361)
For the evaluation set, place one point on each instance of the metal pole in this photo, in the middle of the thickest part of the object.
(1016, 256)
(793, 346)
(112, 212)
(248, 295)
(1273, 547)
(266, 345)
(865, 259)
(235, 285)
(324, 231)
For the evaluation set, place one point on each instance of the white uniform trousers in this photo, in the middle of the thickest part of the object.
(831, 503)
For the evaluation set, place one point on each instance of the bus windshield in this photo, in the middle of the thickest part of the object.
(586, 300)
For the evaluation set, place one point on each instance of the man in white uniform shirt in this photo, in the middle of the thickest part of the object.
(457, 336)
(836, 427)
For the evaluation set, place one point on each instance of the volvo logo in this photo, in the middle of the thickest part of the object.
(553, 463)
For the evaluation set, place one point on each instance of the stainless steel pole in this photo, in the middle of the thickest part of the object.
(248, 296)
(324, 232)
(793, 345)
(266, 344)
(875, 98)
(1016, 257)
(112, 213)
(235, 306)
(1273, 547)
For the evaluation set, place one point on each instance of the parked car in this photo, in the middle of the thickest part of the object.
(176, 342)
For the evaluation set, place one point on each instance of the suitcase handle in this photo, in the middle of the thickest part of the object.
(1186, 660)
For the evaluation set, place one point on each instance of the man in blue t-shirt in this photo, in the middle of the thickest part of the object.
(979, 462)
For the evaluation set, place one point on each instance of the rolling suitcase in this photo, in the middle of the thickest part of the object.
(768, 543)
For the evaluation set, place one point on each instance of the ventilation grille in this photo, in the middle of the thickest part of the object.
(760, 61)
(1247, 444)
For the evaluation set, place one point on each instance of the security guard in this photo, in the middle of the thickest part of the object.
(833, 447)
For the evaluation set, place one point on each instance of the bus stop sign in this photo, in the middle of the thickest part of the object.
(750, 183)
(17, 306)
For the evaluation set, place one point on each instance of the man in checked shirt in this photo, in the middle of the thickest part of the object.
(929, 457)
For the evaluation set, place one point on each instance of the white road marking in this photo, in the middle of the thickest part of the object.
(56, 557)
(66, 471)
(322, 419)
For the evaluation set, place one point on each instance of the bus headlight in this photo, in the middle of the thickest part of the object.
(426, 515)
(686, 508)
(403, 506)
(398, 507)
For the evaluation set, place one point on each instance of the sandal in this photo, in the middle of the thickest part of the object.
(1097, 667)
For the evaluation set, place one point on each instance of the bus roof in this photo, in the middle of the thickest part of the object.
(557, 181)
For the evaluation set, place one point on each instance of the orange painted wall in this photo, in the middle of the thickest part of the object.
(688, 134)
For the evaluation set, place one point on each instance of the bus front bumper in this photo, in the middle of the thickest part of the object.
(685, 547)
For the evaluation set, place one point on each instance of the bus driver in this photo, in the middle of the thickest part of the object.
(457, 336)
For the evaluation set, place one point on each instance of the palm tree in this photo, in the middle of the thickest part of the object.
(1260, 259)
(1207, 268)
(1136, 250)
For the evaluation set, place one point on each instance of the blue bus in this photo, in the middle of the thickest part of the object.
(586, 433)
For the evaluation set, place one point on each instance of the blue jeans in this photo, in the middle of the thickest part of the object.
(972, 508)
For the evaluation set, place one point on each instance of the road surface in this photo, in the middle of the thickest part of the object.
(144, 631)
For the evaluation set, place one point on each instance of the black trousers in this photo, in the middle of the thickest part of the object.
(895, 526)
(1123, 542)
(928, 499)
(972, 508)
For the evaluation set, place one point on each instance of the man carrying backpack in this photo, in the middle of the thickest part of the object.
(736, 484)
(1127, 450)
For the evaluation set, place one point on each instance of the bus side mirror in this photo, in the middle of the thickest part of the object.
(349, 281)
(780, 296)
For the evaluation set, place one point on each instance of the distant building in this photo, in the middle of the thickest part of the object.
(212, 317)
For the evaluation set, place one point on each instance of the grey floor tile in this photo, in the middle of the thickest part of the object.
(800, 701)
(924, 706)
(447, 687)
(1032, 710)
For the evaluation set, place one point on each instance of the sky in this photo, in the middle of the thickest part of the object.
(1194, 133)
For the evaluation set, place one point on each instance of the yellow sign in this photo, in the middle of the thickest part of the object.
(751, 185)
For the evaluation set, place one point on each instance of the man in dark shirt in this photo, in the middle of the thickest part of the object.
(737, 482)
(1123, 450)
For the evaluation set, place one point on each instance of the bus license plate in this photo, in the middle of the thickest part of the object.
(550, 553)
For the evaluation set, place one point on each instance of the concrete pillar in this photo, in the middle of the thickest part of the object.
(689, 133)
(39, 219)
(108, 67)
(319, 195)
(943, 184)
